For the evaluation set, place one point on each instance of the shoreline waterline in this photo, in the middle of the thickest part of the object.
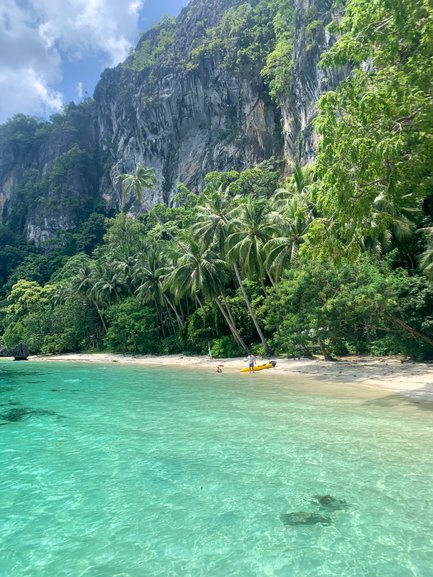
(410, 379)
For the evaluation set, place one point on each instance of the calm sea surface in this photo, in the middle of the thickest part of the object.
(114, 471)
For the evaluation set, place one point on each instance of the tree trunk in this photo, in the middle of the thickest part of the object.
(325, 353)
(233, 323)
(169, 318)
(173, 308)
(306, 352)
(161, 320)
(250, 310)
(232, 327)
(100, 316)
(413, 332)
(229, 312)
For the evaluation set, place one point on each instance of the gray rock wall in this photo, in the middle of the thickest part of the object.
(182, 120)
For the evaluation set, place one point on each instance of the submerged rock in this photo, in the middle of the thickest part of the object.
(329, 502)
(304, 518)
(15, 415)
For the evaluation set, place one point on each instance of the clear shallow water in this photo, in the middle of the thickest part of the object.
(134, 472)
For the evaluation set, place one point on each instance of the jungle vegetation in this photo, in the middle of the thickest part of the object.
(337, 257)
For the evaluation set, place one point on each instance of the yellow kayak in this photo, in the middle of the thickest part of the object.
(258, 367)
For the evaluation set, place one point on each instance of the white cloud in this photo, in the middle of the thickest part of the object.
(83, 26)
(25, 91)
(135, 6)
(80, 90)
(36, 34)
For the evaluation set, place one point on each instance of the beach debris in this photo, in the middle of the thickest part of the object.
(329, 502)
(304, 518)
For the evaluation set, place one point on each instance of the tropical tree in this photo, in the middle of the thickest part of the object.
(199, 271)
(376, 126)
(149, 278)
(125, 238)
(134, 184)
(292, 214)
(110, 282)
(214, 225)
(86, 284)
(249, 230)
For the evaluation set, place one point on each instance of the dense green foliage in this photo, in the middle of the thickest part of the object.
(255, 35)
(376, 154)
(337, 258)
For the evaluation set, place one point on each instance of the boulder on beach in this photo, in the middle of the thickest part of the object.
(20, 352)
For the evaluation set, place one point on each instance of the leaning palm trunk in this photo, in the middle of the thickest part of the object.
(250, 309)
(271, 278)
(169, 318)
(173, 308)
(100, 316)
(231, 326)
(229, 312)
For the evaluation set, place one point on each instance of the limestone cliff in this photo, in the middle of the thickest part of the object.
(182, 117)
(190, 99)
(309, 79)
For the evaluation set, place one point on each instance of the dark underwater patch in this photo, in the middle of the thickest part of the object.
(20, 414)
(6, 389)
(304, 518)
(329, 502)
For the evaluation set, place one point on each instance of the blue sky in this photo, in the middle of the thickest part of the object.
(53, 51)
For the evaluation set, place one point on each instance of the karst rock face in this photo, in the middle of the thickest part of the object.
(169, 106)
(309, 79)
(186, 121)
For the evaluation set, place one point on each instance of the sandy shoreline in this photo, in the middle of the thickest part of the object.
(407, 378)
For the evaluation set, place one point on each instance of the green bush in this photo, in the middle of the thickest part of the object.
(133, 328)
(170, 346)
(225, 347)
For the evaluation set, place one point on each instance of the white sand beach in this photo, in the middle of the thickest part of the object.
(393, 374)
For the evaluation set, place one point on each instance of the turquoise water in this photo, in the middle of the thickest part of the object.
(114, 471)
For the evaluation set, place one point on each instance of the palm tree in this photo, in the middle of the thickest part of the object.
(149, 276)
(301, 179)
(136, 182)
(200, 271)
(388, 227)
(85, 283)
(249, 231)
(214, 215)
(111, 282)
(292, 217)
(426, 259)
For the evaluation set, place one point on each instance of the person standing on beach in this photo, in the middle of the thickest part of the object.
(251, 362)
